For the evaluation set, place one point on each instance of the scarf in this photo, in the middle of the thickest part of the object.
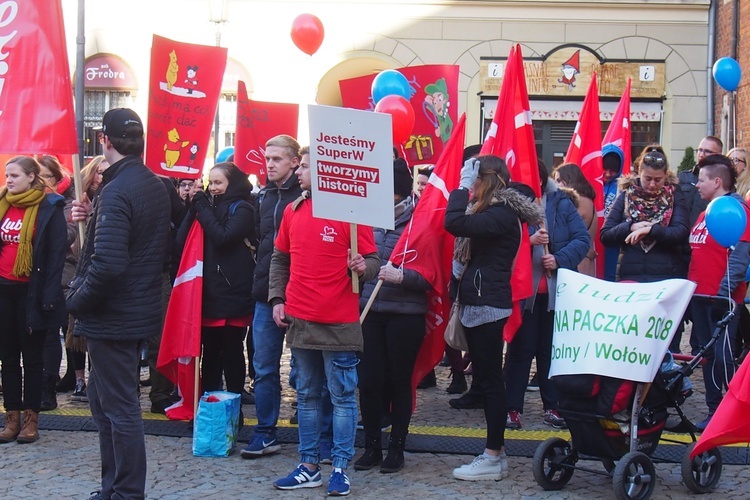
(29, 200)
(641, 205)
(63, 185)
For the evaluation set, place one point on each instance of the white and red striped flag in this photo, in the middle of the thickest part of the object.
(511, 137)
(426, 247)
(618, 132)
(181, 338)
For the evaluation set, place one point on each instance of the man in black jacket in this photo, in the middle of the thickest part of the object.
(282, 159)
(116, 297)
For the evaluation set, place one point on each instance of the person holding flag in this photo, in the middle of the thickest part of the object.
(226, 215)
(393, 331)
(488, 233)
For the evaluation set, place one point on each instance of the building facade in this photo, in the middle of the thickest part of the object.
(663, 46)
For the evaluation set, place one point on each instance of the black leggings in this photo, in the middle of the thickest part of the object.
(223, 353)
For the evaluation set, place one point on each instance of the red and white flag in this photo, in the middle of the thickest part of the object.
(729, 424)
(618, 132)
(426, 247)
(585, 148)
(36, 97)
(257, 122)
(181, 338)
(511, 137)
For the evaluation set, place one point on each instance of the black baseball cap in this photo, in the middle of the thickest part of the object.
(119, 122)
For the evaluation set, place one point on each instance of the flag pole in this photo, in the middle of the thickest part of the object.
(353, 245)
(372, 298)
(196, 388)
(78, 186)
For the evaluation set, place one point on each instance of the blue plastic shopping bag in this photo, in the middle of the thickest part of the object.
(216, 424)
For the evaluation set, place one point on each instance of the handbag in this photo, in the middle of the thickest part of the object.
(455, 334)
(216, 424)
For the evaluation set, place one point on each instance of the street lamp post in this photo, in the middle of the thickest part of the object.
(218, 14)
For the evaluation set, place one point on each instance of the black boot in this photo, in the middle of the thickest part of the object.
(68, 382)
(373, 454)
(49, 396)
(458, 384)
(429, 380)
(394, 461)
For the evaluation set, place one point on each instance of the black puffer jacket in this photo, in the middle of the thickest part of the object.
(116, 293)
(495, 234)
(665, 259)
(272, 201)
(407, 297)
(45, 309)
(228, 265)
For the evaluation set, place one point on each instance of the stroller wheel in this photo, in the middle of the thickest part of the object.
(702, 473)
(553, 464)
(634, 476)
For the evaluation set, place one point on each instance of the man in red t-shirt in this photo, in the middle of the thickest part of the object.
(310, 288)
(716, 271)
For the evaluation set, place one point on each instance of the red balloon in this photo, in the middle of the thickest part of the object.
(307, 33)
(402, 114)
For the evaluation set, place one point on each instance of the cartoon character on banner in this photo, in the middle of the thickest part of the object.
(570, 69)
(189, 84)
(191, 80)
(173, 148)
(435, 107)
(193, 153)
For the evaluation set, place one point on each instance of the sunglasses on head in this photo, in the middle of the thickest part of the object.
(654, 159)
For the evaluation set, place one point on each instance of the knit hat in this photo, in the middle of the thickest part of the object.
(402, 181)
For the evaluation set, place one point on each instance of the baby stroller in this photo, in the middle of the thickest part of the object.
(620, 422)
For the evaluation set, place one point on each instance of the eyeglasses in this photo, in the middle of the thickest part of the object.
(47, 176)
(654, 159)
(736, 160)
(186, 185)
(702, 151)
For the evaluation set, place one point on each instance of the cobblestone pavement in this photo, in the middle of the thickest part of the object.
(66, 464)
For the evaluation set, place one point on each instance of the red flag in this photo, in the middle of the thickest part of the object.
(434, 95)
(729, 423)
(183, 95)
(256, 123)
(618, 132)
(181, 338)
(36, 100)
(511, 135)
(426, 247)
(585, 148)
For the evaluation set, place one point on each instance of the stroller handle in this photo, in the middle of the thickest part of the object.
(720, 325)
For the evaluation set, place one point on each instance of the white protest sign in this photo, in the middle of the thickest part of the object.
(351, 161)
(620, 330)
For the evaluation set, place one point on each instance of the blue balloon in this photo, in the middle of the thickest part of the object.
(390, 82)
(224, 154)
(726, 220)
(727, 73)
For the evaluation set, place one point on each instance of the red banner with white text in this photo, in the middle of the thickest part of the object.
(183, 95)
(36, 96)
(434, 98)
(256, 123)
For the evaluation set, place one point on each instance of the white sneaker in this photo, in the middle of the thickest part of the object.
(482, 468)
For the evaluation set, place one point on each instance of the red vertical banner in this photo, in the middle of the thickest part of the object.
(256, 123)
(183, 95)
(619, 130)
(434, 98)
(36, 96)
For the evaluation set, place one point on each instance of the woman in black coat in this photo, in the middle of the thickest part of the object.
(32, 256)
(488, 231)
(227, 218)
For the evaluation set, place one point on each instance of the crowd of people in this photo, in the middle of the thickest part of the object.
(272, 271)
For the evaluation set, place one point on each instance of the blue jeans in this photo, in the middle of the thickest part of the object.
(339, 368)
(326, 408)
(268, 342)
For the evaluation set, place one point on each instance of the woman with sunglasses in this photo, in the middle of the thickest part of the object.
(739, 160)
(649, 222)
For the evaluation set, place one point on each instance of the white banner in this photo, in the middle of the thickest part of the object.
(351, 157)
(619, 330)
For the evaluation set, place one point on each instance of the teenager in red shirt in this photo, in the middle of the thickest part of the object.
(311, 292)
(715, 275)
